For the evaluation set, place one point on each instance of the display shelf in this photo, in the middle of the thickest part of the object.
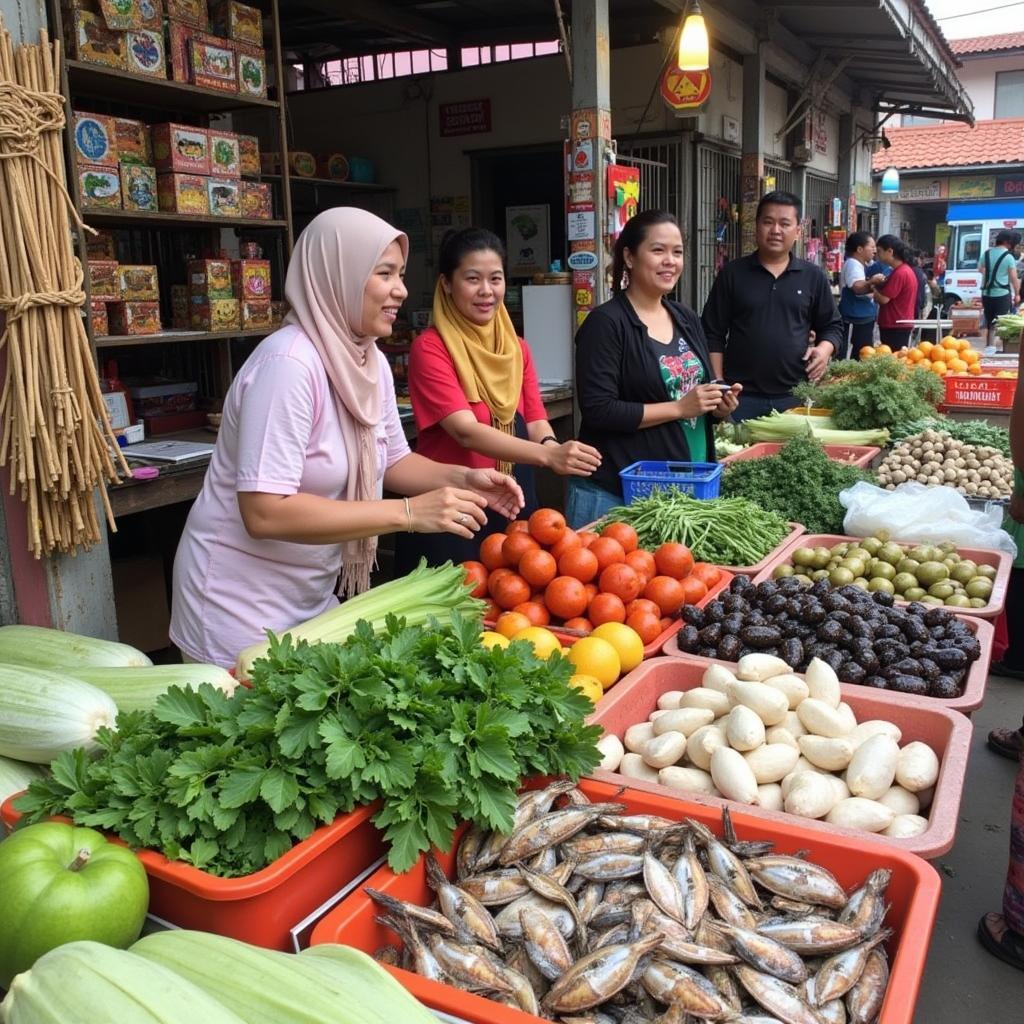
(354, 186)
(160, 218)
(98, 82)
(173, 336)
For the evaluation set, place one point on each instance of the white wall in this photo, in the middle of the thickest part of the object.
(978, 77)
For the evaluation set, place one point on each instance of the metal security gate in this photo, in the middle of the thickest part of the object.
(818, 203)
(716, 233)
(660, 162)
(782, 173)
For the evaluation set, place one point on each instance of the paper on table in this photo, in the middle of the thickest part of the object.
(168, 451)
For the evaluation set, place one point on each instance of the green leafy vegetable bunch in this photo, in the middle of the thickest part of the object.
(801, 483)
(423, 718)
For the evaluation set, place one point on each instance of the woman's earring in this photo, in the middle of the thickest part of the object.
(624, 280)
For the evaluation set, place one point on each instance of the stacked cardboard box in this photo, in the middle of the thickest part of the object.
(124, 298)
(229, 294)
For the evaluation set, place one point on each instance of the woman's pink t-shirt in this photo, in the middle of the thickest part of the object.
(435, 392)
(280, 434)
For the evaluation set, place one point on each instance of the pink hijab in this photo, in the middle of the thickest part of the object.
(327, 276)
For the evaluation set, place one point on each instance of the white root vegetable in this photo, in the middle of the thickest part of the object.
(874, 727)
(900, 801)
(769, 705)
(732, 776)
(771, 762)
(793, 724)
(792, 686)
(847, 717)
(810, 795)
(821, 719)
(769, 796)
(701, 744)
(669, 700)
(904, 826)
(636, 736)
(780, 734)
(687, 780)
(918, 767)
(873, 767)
(665, 749)
(633, 766)
(684, 720)
(717, 677)
(744, 729)
(704, 697)
(831, 753)
(856, 812)
(612, 752)
(758, 667)
(822, 682)
(839, 786)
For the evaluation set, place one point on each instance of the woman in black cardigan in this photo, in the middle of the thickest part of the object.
(642, 369)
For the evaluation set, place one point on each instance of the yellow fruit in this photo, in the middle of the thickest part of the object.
(490, 639)
(925, 364)
(545, 643)
(510, 623)
(962, 344)
(595, 657)
(971, 356)
(938, 366)
(883, 350)
(948, 339)
(957, 365)
(625, 640)
(866, 351)
(915, 355)
(590, 686)
(925, 348)
(974, 369)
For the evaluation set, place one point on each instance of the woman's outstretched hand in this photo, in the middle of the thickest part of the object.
(500, 491)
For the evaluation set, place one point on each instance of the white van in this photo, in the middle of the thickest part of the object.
(972, 230)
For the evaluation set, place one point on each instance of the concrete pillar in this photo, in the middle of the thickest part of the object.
(886, 217)
(76, 593)
(589, 141)
(752, 169)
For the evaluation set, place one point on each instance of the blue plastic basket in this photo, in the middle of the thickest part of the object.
(699, 479)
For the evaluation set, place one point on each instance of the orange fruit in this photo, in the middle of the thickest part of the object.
(626, 642)
(595, 656)
(536, 612)
(883, 350)
(974, 369)
(915, 355)
(971, 356)
(962, 344)
(565, 597)
(510, 623)
(938, 366)
(957, 365)
(925, 348)
(866, 351)
(606, 608)
(925, 364)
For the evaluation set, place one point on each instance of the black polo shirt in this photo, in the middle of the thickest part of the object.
(762, 323)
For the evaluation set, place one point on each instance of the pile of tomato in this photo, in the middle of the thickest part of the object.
(549, 573)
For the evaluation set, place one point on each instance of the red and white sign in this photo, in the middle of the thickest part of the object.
(685, 90)
(470, 117)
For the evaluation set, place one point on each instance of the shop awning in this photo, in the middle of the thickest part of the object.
(987, 209)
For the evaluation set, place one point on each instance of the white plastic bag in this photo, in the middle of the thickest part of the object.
(925, 515)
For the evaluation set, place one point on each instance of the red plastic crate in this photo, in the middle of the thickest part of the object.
(851, 454)
(913, 895)
(657, 644)
(948, 733)
(999, 560)
(974, 685)
(796, 531)
(964, 391)
(263, 907)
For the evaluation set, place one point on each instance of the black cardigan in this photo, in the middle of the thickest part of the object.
(617, 374)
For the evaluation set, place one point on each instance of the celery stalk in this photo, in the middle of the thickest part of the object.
(783, 427)
(426, 593)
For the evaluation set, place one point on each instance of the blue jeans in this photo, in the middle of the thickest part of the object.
(752, 406)
(588, 502)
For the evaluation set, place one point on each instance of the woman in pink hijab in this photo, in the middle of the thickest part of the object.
(309, 438)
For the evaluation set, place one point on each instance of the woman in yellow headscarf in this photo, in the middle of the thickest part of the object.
(474, 389)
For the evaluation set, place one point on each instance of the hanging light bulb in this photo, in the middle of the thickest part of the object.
(891, 181)
(693, 42)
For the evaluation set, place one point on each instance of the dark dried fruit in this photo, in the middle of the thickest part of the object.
(909, 684)
(688, 638)
(945, 688)
(950, 658)
(729, 648)
(791, 650)
(878, 682)
(694, 615)
(852, 672)
(714, 612)
(761, 637)
(710, 634)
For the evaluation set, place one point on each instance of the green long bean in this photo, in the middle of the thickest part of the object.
(723, 531)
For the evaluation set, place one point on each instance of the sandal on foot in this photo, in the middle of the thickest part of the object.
(997, 938)
(1007, 742)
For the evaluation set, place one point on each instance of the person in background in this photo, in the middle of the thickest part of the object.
(940, 265)
(475, 393)
(922, 283)
(897, 296)
(1003, 934)
(643, 370)
(1000, 285)
(934, 293)
(310, 435)
(856, 301)
(762, 311)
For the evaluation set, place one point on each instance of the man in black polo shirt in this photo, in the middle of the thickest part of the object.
(762, 311)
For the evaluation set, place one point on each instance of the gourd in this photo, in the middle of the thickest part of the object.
(40, 647)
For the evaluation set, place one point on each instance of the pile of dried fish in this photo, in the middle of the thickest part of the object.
(587, 915)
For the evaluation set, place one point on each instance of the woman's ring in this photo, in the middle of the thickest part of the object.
(462, 517)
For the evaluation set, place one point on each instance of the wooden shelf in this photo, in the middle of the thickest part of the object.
(183, 220)
(99, 82)
(172, 336)
(354, 186)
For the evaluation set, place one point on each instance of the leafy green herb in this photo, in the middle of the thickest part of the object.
(878, 392)
(801, 484)
(976, 432)
(423, 718)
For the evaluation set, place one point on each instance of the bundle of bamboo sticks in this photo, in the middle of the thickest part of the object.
(56, 438)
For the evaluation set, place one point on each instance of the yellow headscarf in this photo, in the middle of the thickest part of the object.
(488, 360)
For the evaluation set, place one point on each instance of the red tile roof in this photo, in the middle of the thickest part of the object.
(953, 145)
(987, 44)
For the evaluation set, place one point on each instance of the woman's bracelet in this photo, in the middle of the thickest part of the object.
(549, 437)
(408, 516)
